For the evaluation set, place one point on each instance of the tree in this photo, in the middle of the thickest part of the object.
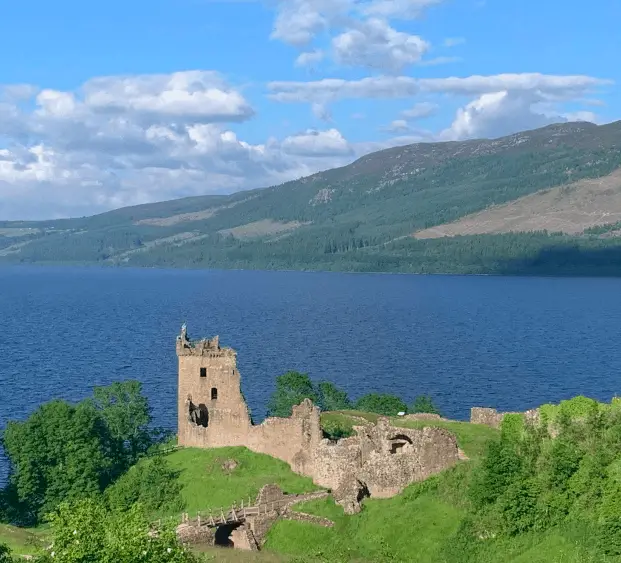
(381, 403)
(424, 404)
(84, 532)
(331, 398)
(127, 414)
(61, 452)
(291, 389)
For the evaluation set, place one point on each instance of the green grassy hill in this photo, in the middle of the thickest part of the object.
(361, 217)
(438, 520)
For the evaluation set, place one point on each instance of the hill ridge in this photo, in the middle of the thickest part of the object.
(356, 217)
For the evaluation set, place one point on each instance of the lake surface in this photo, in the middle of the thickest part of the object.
(510, 343)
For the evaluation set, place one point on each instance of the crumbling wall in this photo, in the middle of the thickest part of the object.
(493, 418)
(380, 459)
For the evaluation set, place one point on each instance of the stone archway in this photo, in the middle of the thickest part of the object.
(224, 535)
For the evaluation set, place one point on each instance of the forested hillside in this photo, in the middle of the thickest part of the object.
(365, 216)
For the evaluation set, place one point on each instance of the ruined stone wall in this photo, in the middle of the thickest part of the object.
(493, 418)
(384, 458)
(213, 413)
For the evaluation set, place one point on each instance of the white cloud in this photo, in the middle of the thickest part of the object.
(420, 111)
(318, 143)
(360, 31)
(398, 126)
(502, 113)
(310, 58)
(141, 139)
(298, 21)
(393, 87)
(375, 44)
(191, 95)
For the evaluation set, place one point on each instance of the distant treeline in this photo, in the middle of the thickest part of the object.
(538, 253)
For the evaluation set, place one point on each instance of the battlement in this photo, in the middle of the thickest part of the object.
(209, 347)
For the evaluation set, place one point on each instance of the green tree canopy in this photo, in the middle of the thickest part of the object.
(331, 398)
(84, 532)
(381, 403)
(291, 389)
(61, 452)
(127, 415)
(424, 404)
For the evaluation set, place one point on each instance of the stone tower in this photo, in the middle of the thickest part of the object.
(211, 409)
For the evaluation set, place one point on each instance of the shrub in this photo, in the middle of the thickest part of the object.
(519, 506)
(152, 483)
(5, 554)
(499, 468)
(331, 398)
(512, 427)
(291, 389)
(335, 430)
(85, 532)
(379, 403)
(424, 404)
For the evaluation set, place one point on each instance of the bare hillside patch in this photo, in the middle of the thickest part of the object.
(175, 240)
(191, 216)
(17, 232)
(263, 228)
(568, 209)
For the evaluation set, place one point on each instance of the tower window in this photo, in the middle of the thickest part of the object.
(214, 393)
(203, 372)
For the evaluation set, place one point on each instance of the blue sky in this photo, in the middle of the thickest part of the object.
(116, 103)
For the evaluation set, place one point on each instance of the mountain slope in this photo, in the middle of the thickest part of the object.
(357, 217)
(570, 209)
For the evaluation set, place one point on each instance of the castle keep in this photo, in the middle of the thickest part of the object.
(380, 460)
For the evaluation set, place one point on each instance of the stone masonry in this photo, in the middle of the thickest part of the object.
(380, 460)
(493, 418)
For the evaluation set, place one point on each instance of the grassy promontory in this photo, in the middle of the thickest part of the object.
(549, 492)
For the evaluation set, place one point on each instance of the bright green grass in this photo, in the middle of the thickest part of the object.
(206, 485)
(417, 526)
(386, 530)
(23, 541)
(559, 545)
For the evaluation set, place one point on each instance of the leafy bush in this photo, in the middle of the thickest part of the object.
(381, 403)
(499, 468)
(512, 427)
(152, 483)
(5, 554)
(291, 389)
(335, 429)
(85, 531)
(424, 404)
(331, 398)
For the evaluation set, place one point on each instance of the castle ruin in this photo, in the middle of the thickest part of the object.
(379, 461)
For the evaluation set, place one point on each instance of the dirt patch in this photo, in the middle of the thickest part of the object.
(568, 209)
(263, 228)
(191, 216)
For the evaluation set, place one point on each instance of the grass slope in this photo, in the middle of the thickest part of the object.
(23, 541)
(206, 484)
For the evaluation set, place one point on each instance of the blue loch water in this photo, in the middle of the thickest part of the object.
(511, 343)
